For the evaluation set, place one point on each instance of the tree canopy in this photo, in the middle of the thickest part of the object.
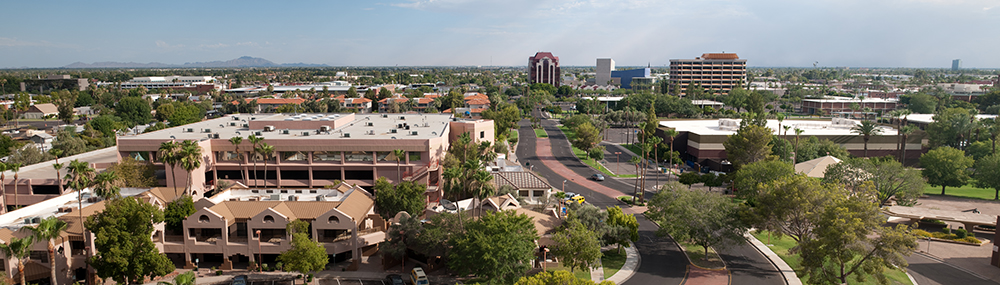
(125, 250)
(889, 178)
(946, 166)
(499, 246)
(707, 219)
(407, 196)
(750, 144)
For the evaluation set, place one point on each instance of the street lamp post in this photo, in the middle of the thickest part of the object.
(545, 257)
(617, 160)
(564, 186)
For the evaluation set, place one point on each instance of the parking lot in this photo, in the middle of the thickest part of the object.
(350, 282)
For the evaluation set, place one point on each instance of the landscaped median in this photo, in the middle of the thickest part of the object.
(541, 133)
(612, 261)
(582, 155)
(782, 245)
(701, 258)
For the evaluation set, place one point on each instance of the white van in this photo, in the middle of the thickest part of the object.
(417, 276)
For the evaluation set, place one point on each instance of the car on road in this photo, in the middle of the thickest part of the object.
(394, 279)
(597, 177)
(573, 197)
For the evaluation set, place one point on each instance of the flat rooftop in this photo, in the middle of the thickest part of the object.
(834, 127)
(929, 118)
(14, 220)
(283, 194)
(294, 126)
(43, 170)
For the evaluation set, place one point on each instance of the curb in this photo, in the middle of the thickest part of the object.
(632, 261)
(786, 271)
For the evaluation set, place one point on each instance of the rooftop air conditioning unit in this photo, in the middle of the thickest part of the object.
(207, 130)
(268, 128)
(392, 131)
(215, 136)
(235, 118)
(413, 133)
(406, 127)
(320, 198)
(293, 198)
(305, 134)
(275, 197)
(324, 128)
(347, 135)
(402, 117)
(369, 124)
(232, 124)
(257, 133)
(371, 132)
(188, 130)
(385, 115)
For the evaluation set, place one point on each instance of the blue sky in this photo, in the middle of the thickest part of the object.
(871, 33)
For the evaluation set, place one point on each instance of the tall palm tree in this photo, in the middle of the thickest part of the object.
(49, 229)
(482, 186)
(671, 134)
(781, 118)
(399, 158)
(866, 129)
(186, 278)
(58, 167)
(798, 132)
(635, 190)
(79, 175)
(16, 167)
(266, 152)
(106, 185)
(236, 141)
(3, 181)
(190, 159)
(18, 248)
(906, 131)
(168, 155)
(255, 140)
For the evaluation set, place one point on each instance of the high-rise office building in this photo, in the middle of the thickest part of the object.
(544, 68)
(604, 68)
(956, 64)
(716, 72)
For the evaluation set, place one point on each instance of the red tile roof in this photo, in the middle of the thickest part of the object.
(278, 101)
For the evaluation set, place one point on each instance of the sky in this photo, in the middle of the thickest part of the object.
(797, 33)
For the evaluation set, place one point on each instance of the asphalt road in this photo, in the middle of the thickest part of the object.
(928, 271)
(661, 261)
(748, 266)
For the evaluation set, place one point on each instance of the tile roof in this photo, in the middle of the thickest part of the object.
(277, 101)
(477, 101)
(519, 180)
(46, 108)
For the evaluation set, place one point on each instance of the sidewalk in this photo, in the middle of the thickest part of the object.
(632, 260)
(786, 271)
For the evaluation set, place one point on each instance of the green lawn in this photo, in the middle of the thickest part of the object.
(781, 245)
(541, 133)
(513, 134)
(580, 273)
(697, 255)
(967, 191)
(612, 261)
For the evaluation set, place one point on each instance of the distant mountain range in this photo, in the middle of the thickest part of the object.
(245, 61)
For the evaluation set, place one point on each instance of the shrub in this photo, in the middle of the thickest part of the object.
(969, 239)
(218, 272)
(932, 222)
(921, 233)
(946, 230)
(278, 266)
(512, 140)
(942, 235)
(961, 233)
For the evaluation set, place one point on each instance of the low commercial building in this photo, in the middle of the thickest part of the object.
(54, 82)
(701, 141)
(38, 111)
(194, 84)
(843, 105)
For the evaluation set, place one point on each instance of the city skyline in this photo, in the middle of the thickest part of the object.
(772, 33)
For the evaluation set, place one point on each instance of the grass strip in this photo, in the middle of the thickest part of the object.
(612, 261)
(781, 245)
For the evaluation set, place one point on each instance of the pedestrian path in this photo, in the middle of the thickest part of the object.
(786, 271)
(597, 273)
(632, 258)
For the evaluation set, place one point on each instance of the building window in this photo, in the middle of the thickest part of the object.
(268, 219)
(333, 220)
(326, 156)
(359, 156)
(203, 219)
(414, 156)
(228, 156)
(293, 156)
(384, 156)
(482, 134)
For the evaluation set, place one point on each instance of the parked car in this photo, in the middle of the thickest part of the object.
(597, 177)
(239, 280)
(394, 279)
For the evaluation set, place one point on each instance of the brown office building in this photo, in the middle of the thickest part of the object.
(544, 68)
(716, 72)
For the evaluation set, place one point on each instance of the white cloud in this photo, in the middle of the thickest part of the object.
(163, 44)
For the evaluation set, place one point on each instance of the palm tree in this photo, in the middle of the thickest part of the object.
(867, 129)
(16, 167)
(79, 174)
(636, 161)
(18, 248)
(255, 140)
(3, 181)
(190, 158)
(266, 152)
(798, 132)
(106, 185)
(781, 118)
(236, 141)
(186, 278)
(58, 167)
(786, 128)
(399, 158)
(906, 131)
(671, 134)
(49, 229)
(168, 155)
(452, 177)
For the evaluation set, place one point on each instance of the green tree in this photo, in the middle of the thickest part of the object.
(557, 278)
(988, 174)
(49, 229)
(952, 127)
(65, 101)
(889, 178)
(29, 154)
(866, 129)
(619, 219)
(69, 143)
(587, 136)
(750, 144)
(134, 173)
(505, 117)
(946, 166)
(577, 245)
(108, 125)
(125, 250)
(497, 246)
(921, 103)
(106, 185)
(134, 111)
(850, 239)
(707, 219)
(19, 248)
(750, 180)
(789, 205)
(169, 156)
(400, 156)
(403, 236)
(596, 153)
(407, 196)
(813, 148)
(305, 255)
(266, 151)
(689, 178)
(177, 211)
